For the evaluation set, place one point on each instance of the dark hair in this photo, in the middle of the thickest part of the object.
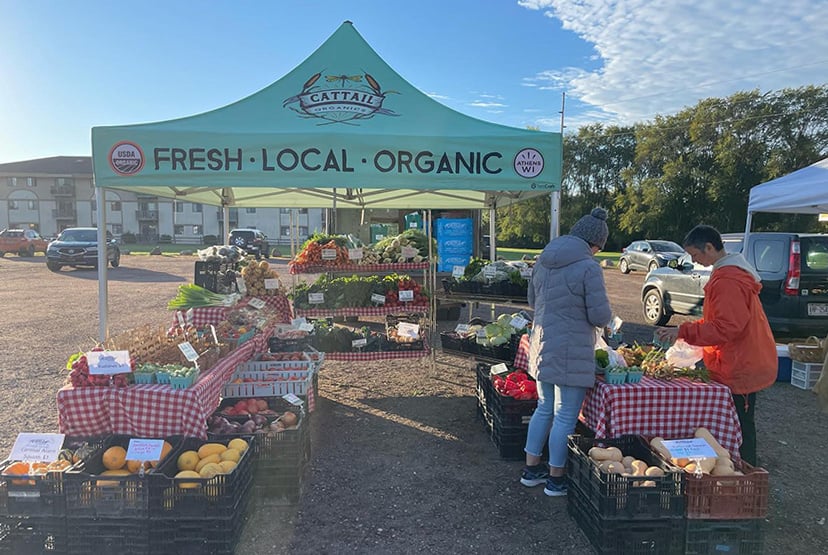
(702, 234)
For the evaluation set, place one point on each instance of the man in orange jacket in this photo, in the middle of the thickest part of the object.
(739, 349)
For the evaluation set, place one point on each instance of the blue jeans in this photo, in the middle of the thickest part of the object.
(553, 421)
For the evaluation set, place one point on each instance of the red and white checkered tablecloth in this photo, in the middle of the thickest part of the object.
(204, 316)
(147, 410)
(384, 355)
(360, 311)
(371, 268)
(522, 354)
(670, 409)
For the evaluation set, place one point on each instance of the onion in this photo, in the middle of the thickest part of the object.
(289, 419)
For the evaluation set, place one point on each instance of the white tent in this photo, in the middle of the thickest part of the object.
(804, 191)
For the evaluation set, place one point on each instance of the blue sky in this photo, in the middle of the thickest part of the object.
(68, 66)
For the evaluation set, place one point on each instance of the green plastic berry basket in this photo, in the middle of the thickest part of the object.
(615, 378)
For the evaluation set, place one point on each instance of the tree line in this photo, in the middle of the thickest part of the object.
(660, 178)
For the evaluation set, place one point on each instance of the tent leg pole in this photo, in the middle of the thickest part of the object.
(492, 238)
(103, 293)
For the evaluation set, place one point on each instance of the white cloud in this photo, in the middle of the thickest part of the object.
(436, 96)
(660, 56)
(482, 104)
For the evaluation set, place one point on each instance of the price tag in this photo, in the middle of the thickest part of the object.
(316, 298)
(272, 283)
(306, 327)
(406, 295)
(180, 317)
(242, 286)
(293, 399)
(462, 328)
(489, 271)
(357, 343)
(481, 333)
(36, 447)
(412, 225)
(328, 254)
(519, 322)
(377, 298)
(355, 254)
(526, 273)
(499, 369)
(189, 353)
(296, 322)
(409, 252)
(215, 335)
(108, 362)
(458, 271)
(256, 303)
(144, 449)
(189, 316)
(408, 329)
(696, 448)
(379, 236)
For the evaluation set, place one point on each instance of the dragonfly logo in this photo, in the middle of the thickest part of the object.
(345, 98)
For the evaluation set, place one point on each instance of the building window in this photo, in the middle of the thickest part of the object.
(11, 181)
(303, 210)
(13, 205)
(31, 182)
(250, 210)
(303, 231)
(32, 205)
(285, 231)
(179, 207)
(94, 205)
(178, 229)
(115, 206)
(59, 181)
(284, 210)
(197, 207)
(117, 229)
(196, 230)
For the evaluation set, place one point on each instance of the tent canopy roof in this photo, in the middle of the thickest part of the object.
(804, 191)
(344, 120)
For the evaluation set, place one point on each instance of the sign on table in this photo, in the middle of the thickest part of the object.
(108, 362)
(188, 350)
(696, 448)
(355, 254)
(145, 449)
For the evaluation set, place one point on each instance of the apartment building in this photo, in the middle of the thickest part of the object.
(51, 194)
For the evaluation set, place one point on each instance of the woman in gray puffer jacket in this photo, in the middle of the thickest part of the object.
(570, 300)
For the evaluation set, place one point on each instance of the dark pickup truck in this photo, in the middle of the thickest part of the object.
(794, 272)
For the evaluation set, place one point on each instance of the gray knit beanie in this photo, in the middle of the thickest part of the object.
(592, 228)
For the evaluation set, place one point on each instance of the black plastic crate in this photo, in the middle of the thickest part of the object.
(279, 482)
(199, 497)
(95, 536)
(38, 495)
(218, 277)
(626, 537)
(712, 537)
(616, 497)
(33, 536)
(92, 495)
(210, 535)
(502, 405)
(451, 341)
(277, 345)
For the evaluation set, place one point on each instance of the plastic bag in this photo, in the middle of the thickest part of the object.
(683, 355)
(615, 359)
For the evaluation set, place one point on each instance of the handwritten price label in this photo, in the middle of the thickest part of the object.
(144, 449)
(457, 271)
(36, 447)
(256, 303)
(519, 322)
(328, 254)
(408, 329)
(316, 298)
(293, 399)
(241, 285)
(462, 328)
(489, 272)
(108, 362)
(355, 254)
(357, 343)
(271, 283)
(696, 448)
(406, 295)
(526, 273)
(189, 352)
(377, 298)
(499, 369)
(409, 252)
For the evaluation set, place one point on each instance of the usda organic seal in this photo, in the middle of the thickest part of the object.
(126, 158)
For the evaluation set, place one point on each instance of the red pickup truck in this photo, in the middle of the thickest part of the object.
(25, 242)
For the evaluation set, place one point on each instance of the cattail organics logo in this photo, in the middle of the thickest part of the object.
(126, 158)
(340, 98)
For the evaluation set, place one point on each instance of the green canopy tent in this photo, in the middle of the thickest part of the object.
(341, 129)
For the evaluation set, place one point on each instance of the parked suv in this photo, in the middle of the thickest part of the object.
(78, 246)
(794, 272)
(253, 241)
(648, 255)
(25, 242)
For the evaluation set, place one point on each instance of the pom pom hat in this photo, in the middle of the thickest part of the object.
(592, 228)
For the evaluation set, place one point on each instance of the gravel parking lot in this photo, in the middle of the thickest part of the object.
(400, 462)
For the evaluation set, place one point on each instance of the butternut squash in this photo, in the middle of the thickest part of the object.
(608, 454)
(708, 437)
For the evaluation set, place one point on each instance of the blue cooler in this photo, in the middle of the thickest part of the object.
(783, 373)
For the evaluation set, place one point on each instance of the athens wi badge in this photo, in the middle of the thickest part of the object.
(346, 98)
